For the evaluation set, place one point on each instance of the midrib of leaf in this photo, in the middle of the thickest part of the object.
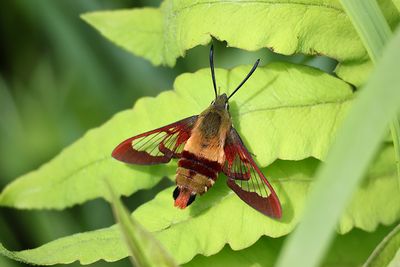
(339, 101)
(81, 168)
(67, 177)
(314, 5)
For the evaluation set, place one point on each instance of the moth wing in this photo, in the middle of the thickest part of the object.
(246, 179)
(156, 146)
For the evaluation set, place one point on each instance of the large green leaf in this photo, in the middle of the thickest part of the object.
(220, 217)
(77, 173)
(345, 252)
(285, 111)
(310, 27)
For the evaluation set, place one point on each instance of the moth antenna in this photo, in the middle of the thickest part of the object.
(245, 79)
(212, 69)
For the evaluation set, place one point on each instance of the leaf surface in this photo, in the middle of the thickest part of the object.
(287, 27)
(220, 217)
(284, 111)
(265, 251)
(395, 262)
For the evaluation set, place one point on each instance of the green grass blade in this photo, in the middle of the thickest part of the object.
(386, 250)
(355, 147)
(144, 249)
(374, 31)
(370, 24)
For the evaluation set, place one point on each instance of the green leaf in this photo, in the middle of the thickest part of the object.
(220, 217)
(386, 251)
(144, 249)
(309, 27)
(74, 176)
(355, 147)
(367, 202)
(345, 252)
(284, 111)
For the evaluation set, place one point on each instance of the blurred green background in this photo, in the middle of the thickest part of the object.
(59, 78)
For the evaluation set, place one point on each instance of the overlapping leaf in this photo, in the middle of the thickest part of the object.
(220, 217)
(284, 111)
(287, 27)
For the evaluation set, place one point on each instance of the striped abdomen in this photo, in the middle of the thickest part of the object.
(195, 175)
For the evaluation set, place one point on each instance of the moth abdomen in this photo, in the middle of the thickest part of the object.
(196, 167)
(210, 164)
(194, 176)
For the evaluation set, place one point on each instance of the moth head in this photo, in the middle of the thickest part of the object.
(221, 102)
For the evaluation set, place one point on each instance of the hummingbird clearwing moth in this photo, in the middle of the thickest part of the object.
(205, 145)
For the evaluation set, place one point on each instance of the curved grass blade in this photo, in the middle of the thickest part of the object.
(356, 144)
(374, 33)
(144, 249)
(386, 250)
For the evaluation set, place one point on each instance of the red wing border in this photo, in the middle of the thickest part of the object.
(246, 179)
(156, 146)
